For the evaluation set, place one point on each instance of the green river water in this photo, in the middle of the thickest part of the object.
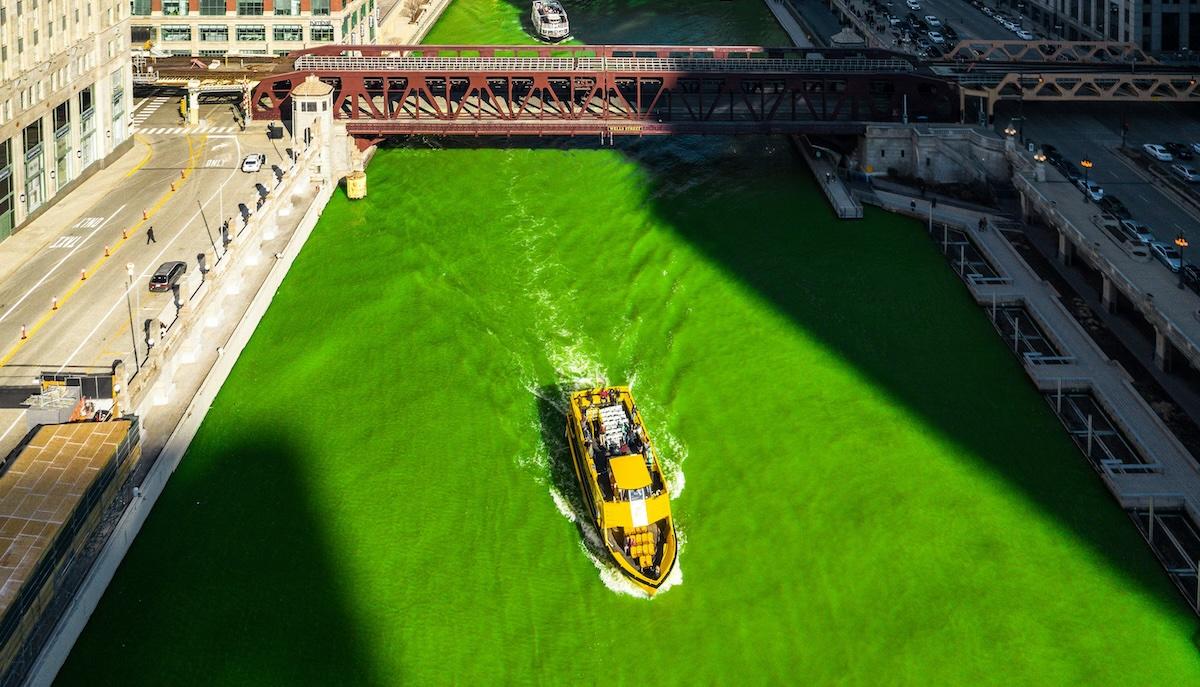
(867, 488)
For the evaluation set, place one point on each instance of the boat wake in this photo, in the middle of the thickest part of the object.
(593, 547)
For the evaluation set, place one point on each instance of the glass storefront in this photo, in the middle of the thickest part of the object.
(6, 190)
(118, 107)
(35, 182)
(87, 128)
(62, 145)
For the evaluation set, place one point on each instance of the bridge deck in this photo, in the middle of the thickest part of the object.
(442, 65)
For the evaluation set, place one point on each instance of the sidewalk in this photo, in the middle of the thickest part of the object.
(396, 28)
(47, 227)
(783, 14)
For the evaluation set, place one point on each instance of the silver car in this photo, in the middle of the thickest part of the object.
(1185, 172)
(1138, 231)
(1166, 254)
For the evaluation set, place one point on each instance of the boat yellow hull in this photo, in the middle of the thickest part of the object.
(611, 533)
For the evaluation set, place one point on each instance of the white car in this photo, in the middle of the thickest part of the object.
(1091, 188)
(253, 163)
(1186, 173)
(1196, 147)
(1157, 152)
(936, 38)
(933, 21)
(914, 5)
(988, 11)
(1167, 254)
(1024, 35)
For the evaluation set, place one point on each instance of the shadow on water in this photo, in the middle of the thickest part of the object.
(552, 422)
(236, 578)
(851, 294)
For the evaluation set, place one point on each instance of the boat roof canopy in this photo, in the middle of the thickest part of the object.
(630, 471)
(625, 515)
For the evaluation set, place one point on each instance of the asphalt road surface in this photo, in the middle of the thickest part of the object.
(90, 327)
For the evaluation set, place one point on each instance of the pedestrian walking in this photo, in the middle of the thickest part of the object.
(150, 236)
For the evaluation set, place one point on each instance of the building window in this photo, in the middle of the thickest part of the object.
(287, 8)
(175, 8)
(289, 32)
(250, 8)
(140, 34)
(140, 8)
(214, 32)
(320, 8)
(212, 8)
(176, 32)
(252, 33)
(320, 32)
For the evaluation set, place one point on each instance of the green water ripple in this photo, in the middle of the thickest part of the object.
(378, 494)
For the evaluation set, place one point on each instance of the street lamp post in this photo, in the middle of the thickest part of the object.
(1009, 132)
(129, 305)
(1181, 242)
(1039, 169)
(1087, 164)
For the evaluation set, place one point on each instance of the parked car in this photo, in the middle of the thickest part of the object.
(1196, 147)
(1138, 231)
(1167, 254)
(1157, 152)
(1113, 205)
(914, 5)
(933, 21)
(1123, 237)
(1091, 189)
(936, 38)
(949, 32)
(1024, 35)
(1178, 151)
(167, 275)
(1186, 172)
(1191, 277)
(253, 163)
(988, 11)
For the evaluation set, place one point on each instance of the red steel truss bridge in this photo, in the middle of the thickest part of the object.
(608, 90)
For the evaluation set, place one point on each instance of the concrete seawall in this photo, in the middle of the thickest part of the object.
(86, 599)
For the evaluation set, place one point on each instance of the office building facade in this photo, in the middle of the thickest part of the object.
(216, 28)
(65, 90)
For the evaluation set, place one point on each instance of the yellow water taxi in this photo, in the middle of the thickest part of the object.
(622, 483)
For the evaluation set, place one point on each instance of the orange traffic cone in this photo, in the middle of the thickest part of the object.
(144, 215)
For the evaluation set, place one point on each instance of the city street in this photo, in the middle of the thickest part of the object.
(1095, 133)
(85, 324)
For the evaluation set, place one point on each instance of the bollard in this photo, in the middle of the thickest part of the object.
(107, 254)
(54, 303)
(24, 335)
(144, 215)
(82, 275)
(124, 233)
(182, 174)
(172, 185)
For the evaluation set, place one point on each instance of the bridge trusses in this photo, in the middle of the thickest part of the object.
(1054, 52)
(611, 89)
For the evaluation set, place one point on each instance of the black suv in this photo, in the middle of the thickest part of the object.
(1113, 205)
(1179, 151)
(167, 275)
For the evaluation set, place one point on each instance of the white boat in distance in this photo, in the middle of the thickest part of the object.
(550, 20)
